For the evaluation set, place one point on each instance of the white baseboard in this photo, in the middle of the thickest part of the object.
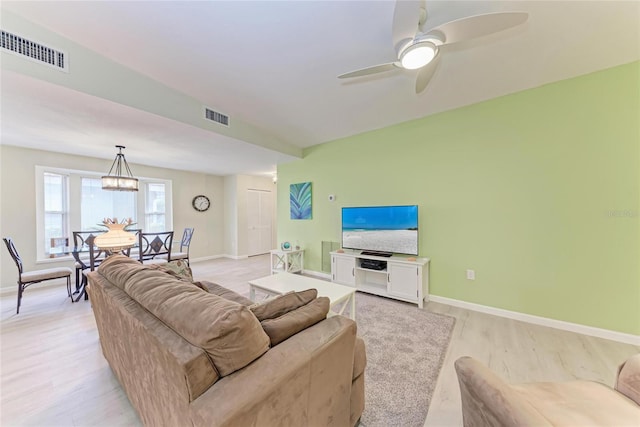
(325, 276)
(234, 256)
(542, 321)
(208, 258)
(212, 257)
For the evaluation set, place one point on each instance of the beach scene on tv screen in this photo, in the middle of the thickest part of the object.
(384, 229)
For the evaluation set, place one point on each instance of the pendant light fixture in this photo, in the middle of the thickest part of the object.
(116, 180)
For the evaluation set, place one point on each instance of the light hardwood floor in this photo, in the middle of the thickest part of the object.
(53, 372)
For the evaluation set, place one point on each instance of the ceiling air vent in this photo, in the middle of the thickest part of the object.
(33, 50)
(216, 117)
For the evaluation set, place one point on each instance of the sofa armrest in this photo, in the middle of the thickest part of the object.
(628, 381)
(305, 380)
(489, 401)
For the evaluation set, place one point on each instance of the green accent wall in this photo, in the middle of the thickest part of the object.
(537, 191)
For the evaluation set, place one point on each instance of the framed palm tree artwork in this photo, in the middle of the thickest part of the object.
(300, 200)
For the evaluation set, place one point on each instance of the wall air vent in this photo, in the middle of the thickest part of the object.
(33, 50)
(216, 117)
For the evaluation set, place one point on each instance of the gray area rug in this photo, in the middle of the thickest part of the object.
(406, 347)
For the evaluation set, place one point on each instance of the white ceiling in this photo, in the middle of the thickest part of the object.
(40, 115)
(274, 65)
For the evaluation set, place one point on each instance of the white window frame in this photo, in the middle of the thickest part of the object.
(40, 209)
(146, 185)
(83, 176)
(74, 198)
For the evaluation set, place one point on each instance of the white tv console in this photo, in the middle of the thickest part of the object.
(403, 279)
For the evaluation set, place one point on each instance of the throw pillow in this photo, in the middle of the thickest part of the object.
(283, 304)
(179, 268)
(289, 324)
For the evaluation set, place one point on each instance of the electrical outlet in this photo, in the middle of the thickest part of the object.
(471, 274)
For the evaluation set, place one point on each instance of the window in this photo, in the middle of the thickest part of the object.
(98, 204)
(56, 211)
(71, 200)
(155, 207)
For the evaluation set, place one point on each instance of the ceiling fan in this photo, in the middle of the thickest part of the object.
(420, 50)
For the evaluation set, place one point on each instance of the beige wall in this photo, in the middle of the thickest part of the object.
(18, 204)
(231, 216)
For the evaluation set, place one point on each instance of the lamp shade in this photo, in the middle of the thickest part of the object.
(120, 177)
(119, 183)
(116, 239)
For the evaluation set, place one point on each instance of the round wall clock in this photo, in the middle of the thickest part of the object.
(201, 203)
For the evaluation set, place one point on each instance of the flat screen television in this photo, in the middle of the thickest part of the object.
(381, 229)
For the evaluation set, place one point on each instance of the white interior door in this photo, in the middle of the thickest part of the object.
(259, 220)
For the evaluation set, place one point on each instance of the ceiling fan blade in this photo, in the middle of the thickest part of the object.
(370, 70)
(426, 73)
(480, 25)
(406, 17)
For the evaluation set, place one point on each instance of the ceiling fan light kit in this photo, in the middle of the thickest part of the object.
(417, 48)
(418, 54)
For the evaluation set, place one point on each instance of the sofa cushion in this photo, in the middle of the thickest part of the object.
(283, 304)
(119, 268)
(200, 285)
(227, 331)
(225, 293)
(628, 382)
(281, 328)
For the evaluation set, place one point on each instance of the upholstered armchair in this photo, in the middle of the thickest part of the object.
(489, 401)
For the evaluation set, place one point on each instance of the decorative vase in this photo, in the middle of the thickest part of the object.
(116, 239)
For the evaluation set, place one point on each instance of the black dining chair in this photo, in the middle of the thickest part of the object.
(96, 256)
(81, 252)
(26, 279)
(155, 248)
(184, 246)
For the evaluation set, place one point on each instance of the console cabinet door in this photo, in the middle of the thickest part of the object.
(343, 270)
(403, 281)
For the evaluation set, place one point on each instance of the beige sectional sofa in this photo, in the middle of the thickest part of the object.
(186, 356)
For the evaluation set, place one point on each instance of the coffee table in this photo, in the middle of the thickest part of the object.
(282, 283)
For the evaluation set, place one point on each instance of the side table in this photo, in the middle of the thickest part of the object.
(290, 261)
